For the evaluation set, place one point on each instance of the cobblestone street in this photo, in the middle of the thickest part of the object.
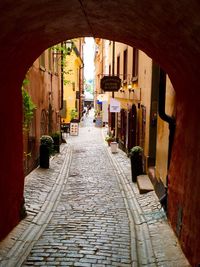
(85, 211)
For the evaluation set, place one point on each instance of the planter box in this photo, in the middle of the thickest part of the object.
(136, 166)
(44, 156)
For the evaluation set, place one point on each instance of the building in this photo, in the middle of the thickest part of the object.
(44, 90)
(73, 82)
(138, 122)
(101, 69)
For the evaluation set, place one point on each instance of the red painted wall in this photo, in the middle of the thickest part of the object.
(184, 182)
(11, 168)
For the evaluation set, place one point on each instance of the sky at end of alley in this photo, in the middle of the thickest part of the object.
(89, 49)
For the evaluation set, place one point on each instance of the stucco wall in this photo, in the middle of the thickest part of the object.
(163, 135)
(71, 86)
(144, 82)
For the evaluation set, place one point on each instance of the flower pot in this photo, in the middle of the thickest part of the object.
(44, 156)
(136, 165)
(113, 147)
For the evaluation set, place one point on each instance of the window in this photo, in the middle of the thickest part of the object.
(49, 59)
(73, 86)
(42, 60)
(43, 122)
(55, 63)
(135, 63)
(125, 65)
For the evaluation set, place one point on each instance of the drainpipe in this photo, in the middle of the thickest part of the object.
(61, 69)
(113, 93)
(80, 89)
(172, 125)
(61, 96)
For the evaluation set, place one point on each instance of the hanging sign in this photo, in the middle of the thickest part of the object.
(114, 105)
(110, 83)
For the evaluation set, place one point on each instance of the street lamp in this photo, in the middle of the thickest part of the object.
(68, 46)
(64, 48)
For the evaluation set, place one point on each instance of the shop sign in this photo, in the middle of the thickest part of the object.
(114, 105)
(110, 83)
(74, 127)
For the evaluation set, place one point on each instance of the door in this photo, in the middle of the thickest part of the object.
(132, 122)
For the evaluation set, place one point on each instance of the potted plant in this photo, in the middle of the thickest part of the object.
(46, 149)
(56, 141)
(136, 156)
(74, 115)
(109, 138)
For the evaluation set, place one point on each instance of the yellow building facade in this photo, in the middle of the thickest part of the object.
(73, 82)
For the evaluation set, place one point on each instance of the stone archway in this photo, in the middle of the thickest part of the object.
(167, 31)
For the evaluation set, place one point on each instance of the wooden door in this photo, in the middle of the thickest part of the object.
(132, 126)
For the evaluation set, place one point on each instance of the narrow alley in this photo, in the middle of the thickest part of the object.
(85, 211)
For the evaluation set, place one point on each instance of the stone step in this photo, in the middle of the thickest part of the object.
(144, 184)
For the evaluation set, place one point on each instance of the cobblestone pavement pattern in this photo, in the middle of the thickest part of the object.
(85, 211)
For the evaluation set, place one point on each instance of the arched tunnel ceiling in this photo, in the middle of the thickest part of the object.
(168, 31)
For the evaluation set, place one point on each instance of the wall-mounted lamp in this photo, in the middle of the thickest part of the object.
(129, 86)
(131, 90)
(68, 46)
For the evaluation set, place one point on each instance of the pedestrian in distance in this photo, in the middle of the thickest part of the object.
(88, 109)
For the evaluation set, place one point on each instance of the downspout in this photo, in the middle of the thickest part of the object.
(172, 125)
(80, 89)
(79, 54)
(113, 93)
(61, 69)
(61, 87)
